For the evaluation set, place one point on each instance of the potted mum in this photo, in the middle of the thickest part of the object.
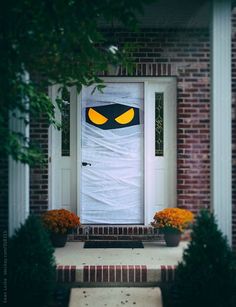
(59, 222)
(172, 222)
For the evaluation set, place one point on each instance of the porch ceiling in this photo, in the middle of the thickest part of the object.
(174, 14)
(177, 14)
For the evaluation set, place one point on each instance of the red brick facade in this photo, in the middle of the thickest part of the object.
(39, 175)
(184, 54)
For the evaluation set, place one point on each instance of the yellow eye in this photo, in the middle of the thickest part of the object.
(96, 117)
(126, 117)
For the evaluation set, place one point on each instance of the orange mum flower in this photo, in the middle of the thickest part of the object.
(60, 220)
(172, 218)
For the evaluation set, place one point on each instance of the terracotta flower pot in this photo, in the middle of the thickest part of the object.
(58, 239)
(172, 239)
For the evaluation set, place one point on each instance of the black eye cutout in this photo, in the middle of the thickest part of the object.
(112, 116)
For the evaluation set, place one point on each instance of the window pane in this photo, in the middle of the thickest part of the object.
(159, 124)
(65, 121)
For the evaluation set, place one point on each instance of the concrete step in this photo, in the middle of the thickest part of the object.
(115, 297)
(152, 265)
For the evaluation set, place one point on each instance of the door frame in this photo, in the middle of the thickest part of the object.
(169, 86)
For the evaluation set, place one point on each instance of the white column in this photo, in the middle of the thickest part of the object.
(221, 142)
(18, 180)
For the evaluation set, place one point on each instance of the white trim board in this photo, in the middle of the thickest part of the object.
(18, 175)
(221, 116)
(62, 171)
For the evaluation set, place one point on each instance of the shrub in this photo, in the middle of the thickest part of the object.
(32, 270)
(207, 275)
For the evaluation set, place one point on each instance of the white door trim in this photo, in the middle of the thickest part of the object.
(55, 184)
(162, 169)
(79, 146)
(52, 92)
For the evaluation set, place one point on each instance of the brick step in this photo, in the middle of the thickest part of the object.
(104, 232)
(114, 232)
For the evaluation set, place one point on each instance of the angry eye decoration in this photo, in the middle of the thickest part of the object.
(96, 118)
(126, 117)
(112, 116)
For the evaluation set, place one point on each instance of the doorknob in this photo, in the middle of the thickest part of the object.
(86, 163)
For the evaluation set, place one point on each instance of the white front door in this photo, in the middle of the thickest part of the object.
(112, 154)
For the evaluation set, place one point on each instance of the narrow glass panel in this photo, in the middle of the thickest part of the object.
(159, 124)
(65, 121)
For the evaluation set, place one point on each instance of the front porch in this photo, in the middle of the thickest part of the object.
(152, 265)
(112, 276)
(194, 55)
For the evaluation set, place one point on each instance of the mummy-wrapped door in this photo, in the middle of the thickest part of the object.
(112, 155)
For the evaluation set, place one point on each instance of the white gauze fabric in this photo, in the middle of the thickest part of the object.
(112, 186)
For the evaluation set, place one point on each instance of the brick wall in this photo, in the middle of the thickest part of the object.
(184, 54)
(39, 174)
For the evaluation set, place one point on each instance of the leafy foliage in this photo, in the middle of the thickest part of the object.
(206, 276)
(61, 42)
(32, 270)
